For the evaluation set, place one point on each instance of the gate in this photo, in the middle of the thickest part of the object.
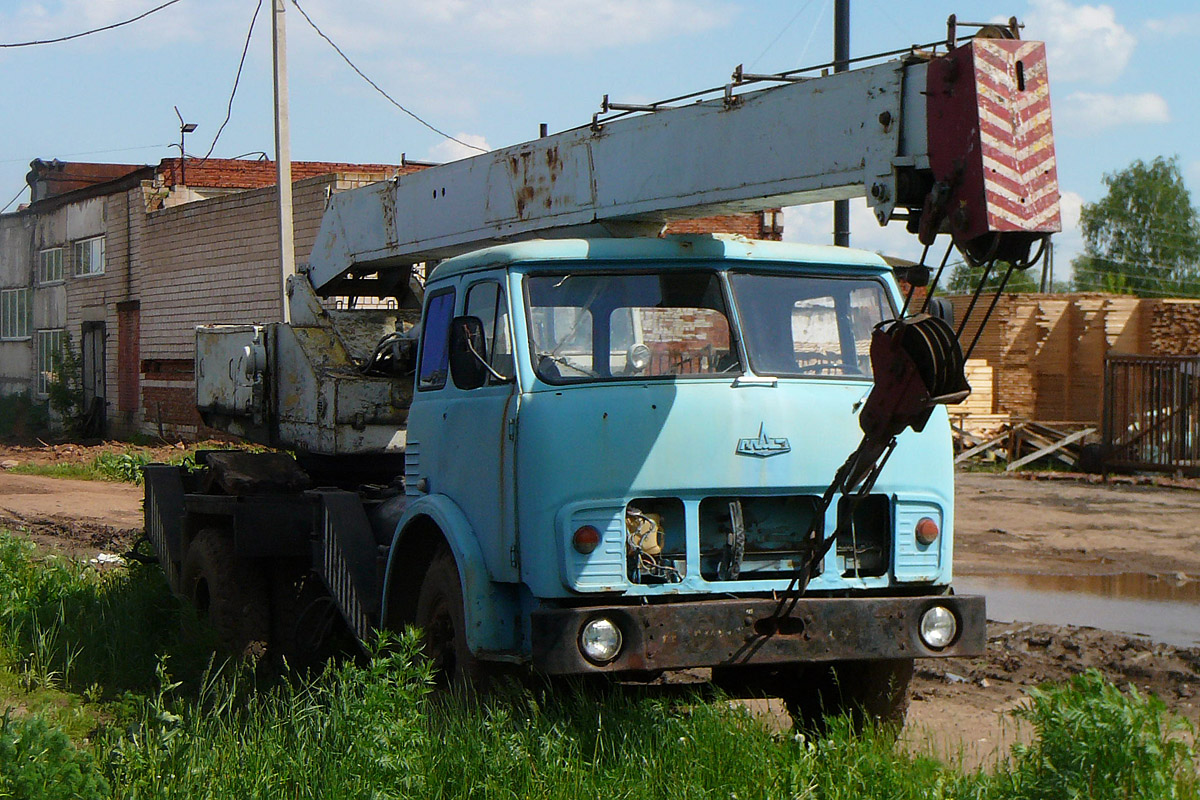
(1152, 413)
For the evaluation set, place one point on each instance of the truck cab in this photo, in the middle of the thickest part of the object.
(635, 444)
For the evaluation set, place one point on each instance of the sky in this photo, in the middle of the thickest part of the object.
(487, 73)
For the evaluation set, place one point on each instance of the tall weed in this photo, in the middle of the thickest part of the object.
(354, 731)
(65, 625)
(1095, 741)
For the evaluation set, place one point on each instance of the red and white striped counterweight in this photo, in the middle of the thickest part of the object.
(991, 148)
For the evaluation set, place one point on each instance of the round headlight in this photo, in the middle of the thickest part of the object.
(938, 627)
(600, 640)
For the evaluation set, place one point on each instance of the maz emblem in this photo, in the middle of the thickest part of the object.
(763, 446)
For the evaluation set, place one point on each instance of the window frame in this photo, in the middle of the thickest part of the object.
(19, 329)
(41, 278)
(425, 338)
(816, 273)
(77, 248)
(500, 319)
(44, 364)
(642, 269)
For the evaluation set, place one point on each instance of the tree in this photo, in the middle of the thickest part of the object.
(1143, 236)
(965, 278)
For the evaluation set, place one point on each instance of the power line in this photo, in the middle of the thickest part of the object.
(784, 30)
(236, 80)
(94, 30)
(14, 199)
(93, 152)
(374, 85)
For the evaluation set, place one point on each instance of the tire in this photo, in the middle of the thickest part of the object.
(229, 593)
(304, 620)
(441, 618)
(869, 692)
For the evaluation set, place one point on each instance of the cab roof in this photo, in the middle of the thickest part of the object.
(682, 248)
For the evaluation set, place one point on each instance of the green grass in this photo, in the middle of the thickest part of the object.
(119, 467)
(114, 695)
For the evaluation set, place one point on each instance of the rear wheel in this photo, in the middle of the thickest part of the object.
(868, 691)
(441, 618)
(229, 592)
(305, 623)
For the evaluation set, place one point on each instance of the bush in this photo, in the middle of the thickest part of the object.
(1096, 741)
(125, 466)
(38, 762)
(22, 418)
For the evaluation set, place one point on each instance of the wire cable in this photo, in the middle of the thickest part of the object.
(14, 199)
(785, 28)
(376, 86)
(129, 21)
(236, 80)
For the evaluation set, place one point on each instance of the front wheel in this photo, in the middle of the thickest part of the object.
(441, 618)
(875, 691)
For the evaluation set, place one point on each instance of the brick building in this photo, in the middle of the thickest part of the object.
(124, 261)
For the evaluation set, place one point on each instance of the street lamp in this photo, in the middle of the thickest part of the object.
(184, 129)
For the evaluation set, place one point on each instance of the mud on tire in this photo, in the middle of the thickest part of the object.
(229, 592)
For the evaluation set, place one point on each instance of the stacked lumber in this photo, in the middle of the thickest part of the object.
(1019, 443)
(1174, 328)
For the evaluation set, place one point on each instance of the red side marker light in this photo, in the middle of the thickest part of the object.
(927, 530)
(586, 539)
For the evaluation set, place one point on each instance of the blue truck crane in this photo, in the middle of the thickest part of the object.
(579, 447)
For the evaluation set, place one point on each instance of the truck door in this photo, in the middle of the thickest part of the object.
(462, 435)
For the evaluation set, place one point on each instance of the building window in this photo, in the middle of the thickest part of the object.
(89, 256)
(49, 348)
(14, 314)
(50, 265)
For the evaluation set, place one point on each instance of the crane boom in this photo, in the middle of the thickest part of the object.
(959, 142)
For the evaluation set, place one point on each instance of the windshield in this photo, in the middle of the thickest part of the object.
(589, 327)
(797, 325)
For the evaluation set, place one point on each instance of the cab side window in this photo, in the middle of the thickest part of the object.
(486, 300)
(435, 341)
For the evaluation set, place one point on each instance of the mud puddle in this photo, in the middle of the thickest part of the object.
(1164, 608)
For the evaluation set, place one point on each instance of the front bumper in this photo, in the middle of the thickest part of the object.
(712, 633)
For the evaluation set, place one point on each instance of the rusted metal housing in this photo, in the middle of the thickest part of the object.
(301, 386)
(712, 632)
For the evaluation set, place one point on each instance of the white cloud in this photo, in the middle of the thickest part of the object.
(1084, 43)
(1187, 24)
(448, 150)
(1069, 243)
(813, 224)
(48, 20)
(1091, 112)
(517, 25)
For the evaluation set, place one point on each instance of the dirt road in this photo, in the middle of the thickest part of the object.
(1058, 525)
(1005, 525)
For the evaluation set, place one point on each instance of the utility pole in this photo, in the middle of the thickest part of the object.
(283, 153)
(841, 63)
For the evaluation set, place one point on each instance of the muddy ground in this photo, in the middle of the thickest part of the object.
(1045, 525)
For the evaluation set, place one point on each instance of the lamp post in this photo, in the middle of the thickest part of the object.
(184, 129)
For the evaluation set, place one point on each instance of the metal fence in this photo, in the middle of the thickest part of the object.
(1152, 413)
